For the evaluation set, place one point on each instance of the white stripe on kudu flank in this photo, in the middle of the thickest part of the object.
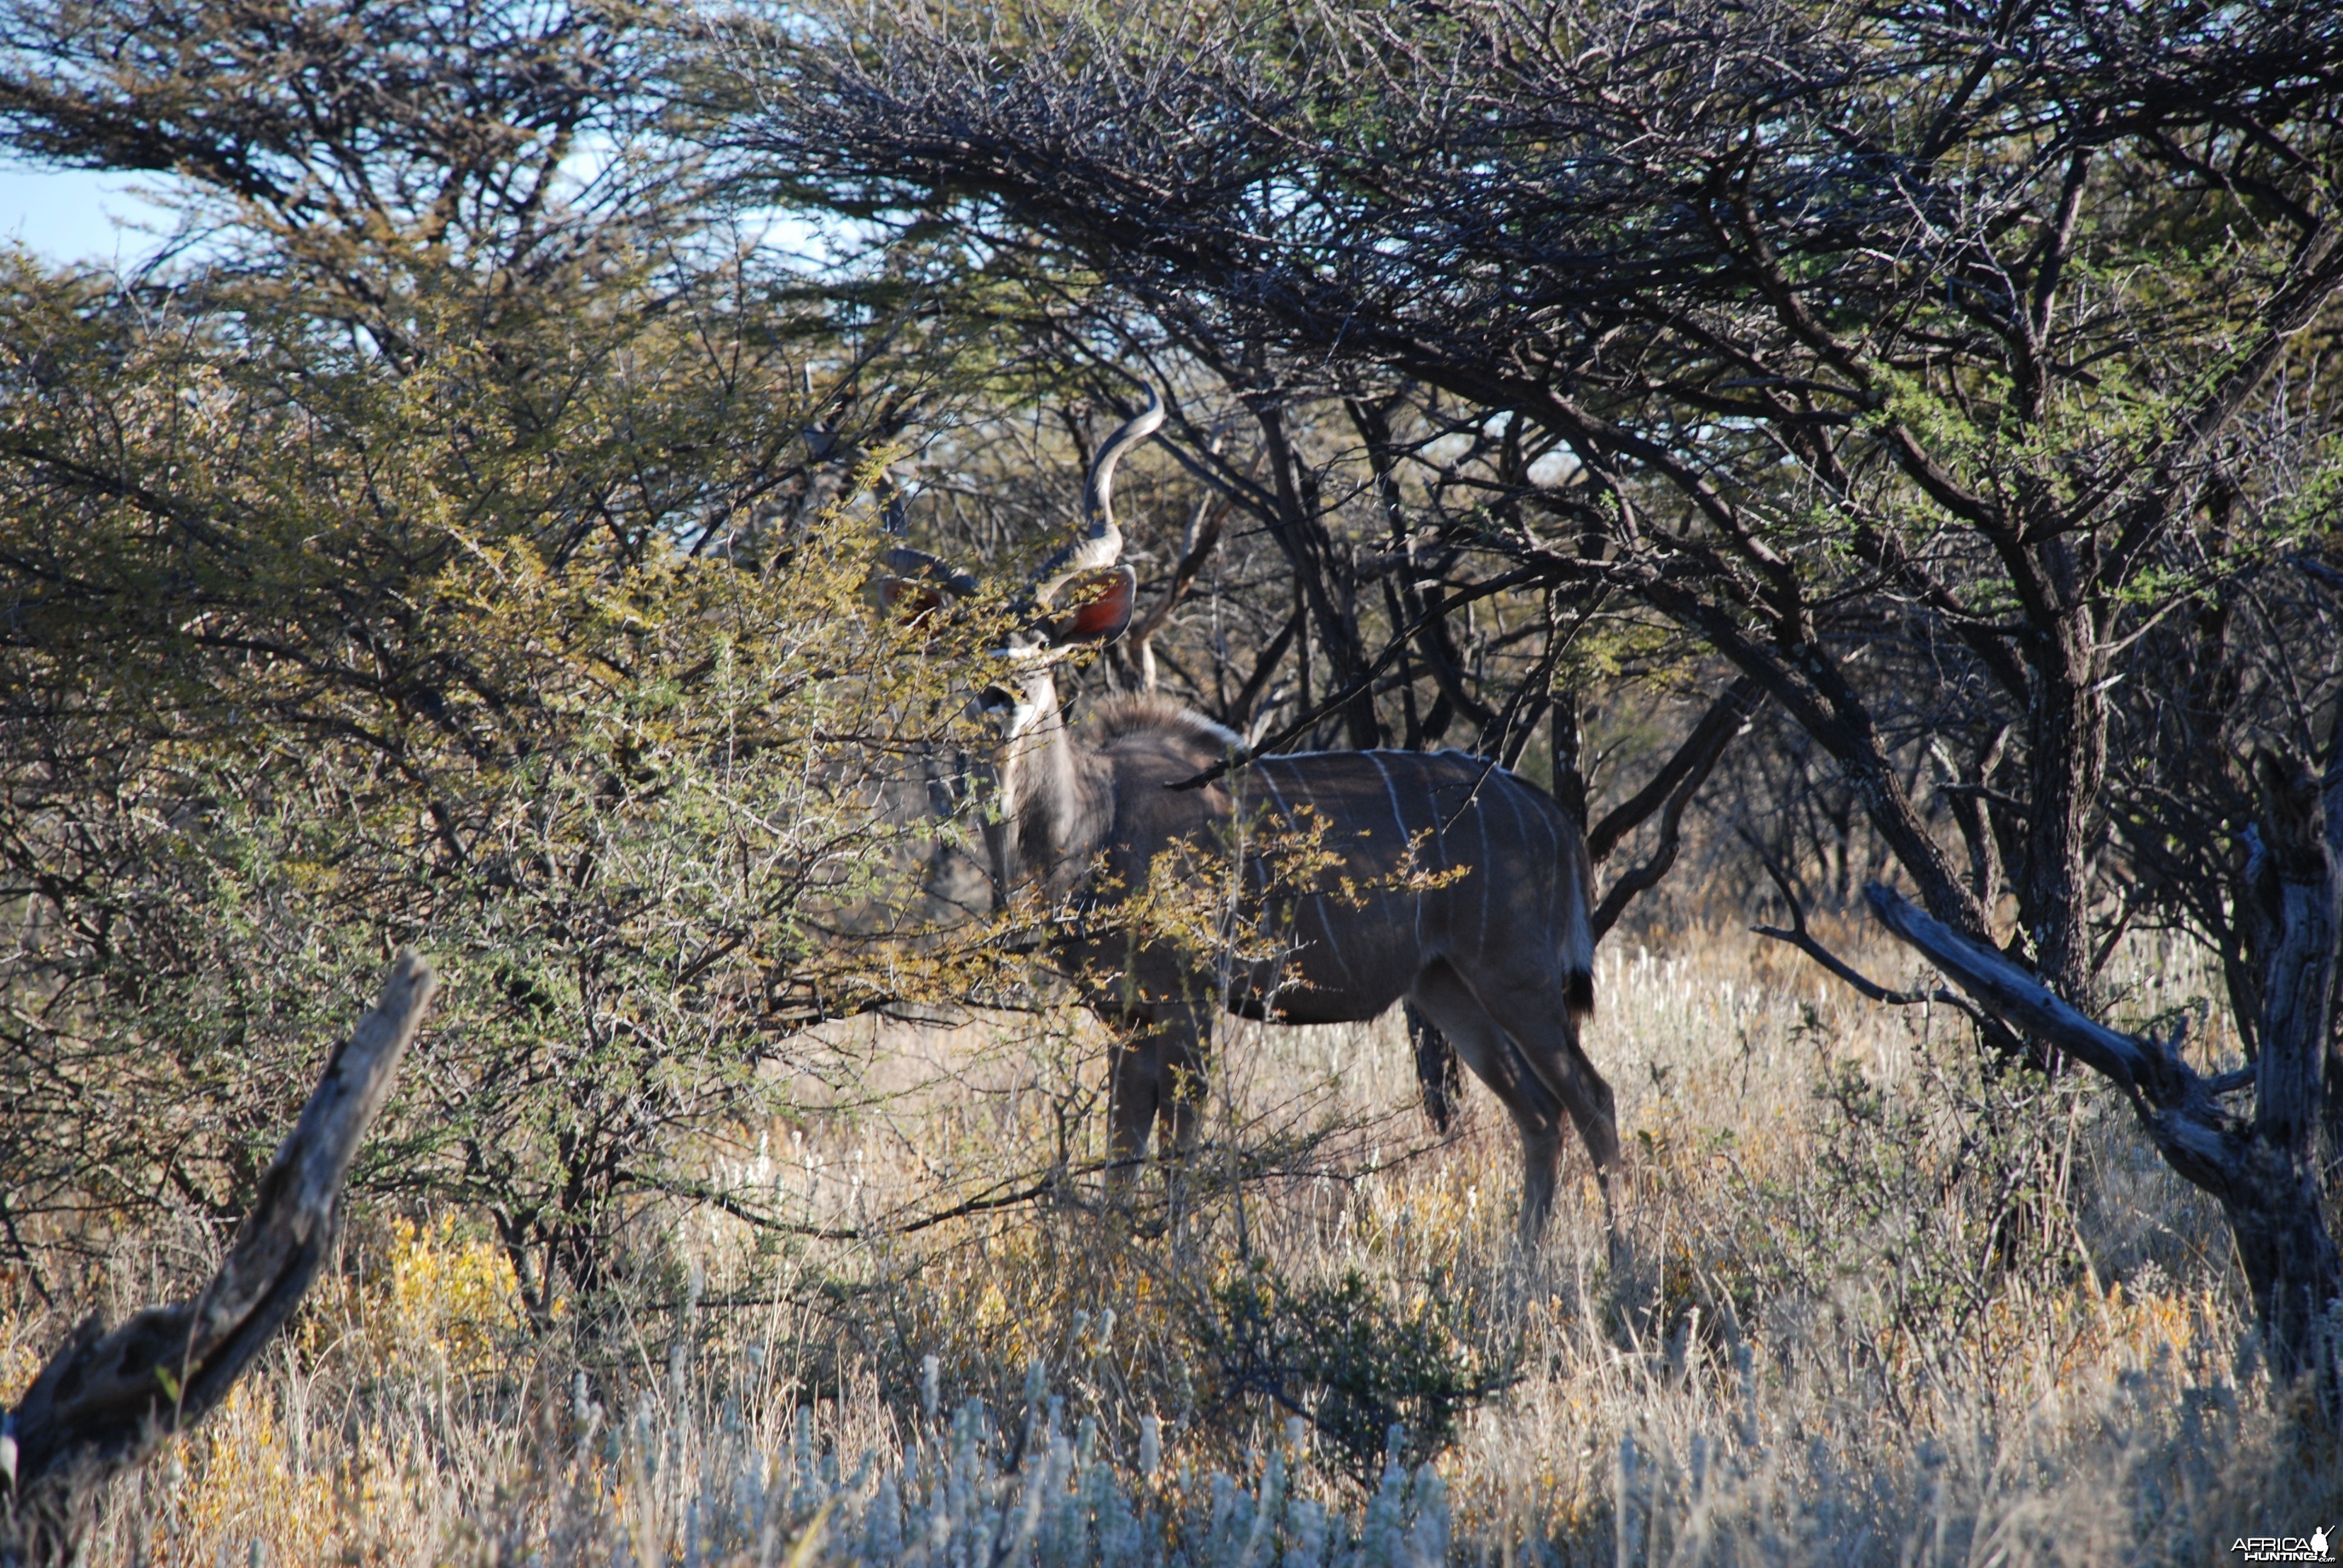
(1325, 916)
(1511, 793)
(1399, 822)
(1439, 842)
(1488, 873)
(1284, 811)
(1285, 815)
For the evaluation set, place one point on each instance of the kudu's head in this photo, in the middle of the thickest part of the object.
(1053, 803)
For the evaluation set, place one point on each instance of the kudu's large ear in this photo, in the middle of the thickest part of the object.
(903, 599)
(912, 584)
(1098, 606)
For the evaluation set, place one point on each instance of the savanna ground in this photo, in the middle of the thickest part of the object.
(1875, 1307)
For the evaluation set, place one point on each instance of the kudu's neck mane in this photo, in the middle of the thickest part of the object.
(1061, 781)
(1116, 717)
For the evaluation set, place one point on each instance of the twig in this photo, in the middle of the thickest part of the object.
(994, 1199)
(700, 1192)
(1244, 756)
(1495, 735)
(1183, 576)
(1702, 749)
(1240, 714)
(1685, 774)
(1799, 937)
(2001, 797)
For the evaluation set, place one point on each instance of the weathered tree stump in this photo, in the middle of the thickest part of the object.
(105, 1401)
(2262, 1166)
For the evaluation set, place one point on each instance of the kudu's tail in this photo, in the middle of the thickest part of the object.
(1577, 873)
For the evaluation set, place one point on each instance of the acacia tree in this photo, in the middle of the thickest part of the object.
(453, 543)
(1937, 368)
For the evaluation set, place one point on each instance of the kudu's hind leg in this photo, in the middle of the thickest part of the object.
(1538, 1017)
(1537, 1114)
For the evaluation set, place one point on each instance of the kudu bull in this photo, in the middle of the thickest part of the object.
(1494, 945)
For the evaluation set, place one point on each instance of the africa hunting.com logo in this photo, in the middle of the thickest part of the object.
(2311, 1548)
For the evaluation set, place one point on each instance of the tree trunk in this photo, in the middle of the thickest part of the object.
(2264, 1171)
(2289, 1256)
(2067, 752)
(2331, 796)
(1569, 737)
(105, 1402)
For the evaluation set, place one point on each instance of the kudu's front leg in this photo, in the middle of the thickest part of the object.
(1131, 1106)
(1156, 1074)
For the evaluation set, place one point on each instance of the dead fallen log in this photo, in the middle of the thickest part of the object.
(2262, 1166)
(105, 1401)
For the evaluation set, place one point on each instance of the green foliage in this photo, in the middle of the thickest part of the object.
(464, 574)
(629, 801)
(1365, 1372)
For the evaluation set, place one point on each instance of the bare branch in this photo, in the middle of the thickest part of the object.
(1799, 937)
(1383, 661)
(2029, 1006)
(1726, 717)
(1690, 767)
(1212, 514)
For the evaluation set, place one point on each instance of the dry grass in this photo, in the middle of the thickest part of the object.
(1876, 1307)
